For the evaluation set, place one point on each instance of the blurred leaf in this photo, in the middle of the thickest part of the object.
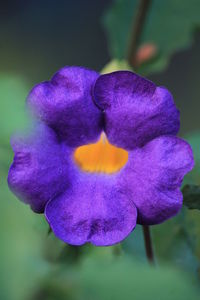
(191, 196)
(169, 26)
(117, 22)
(194, 176)
(126, 279)
(5, 158)
(173, 243)
(134, 244)
(97, 279)
(12, 106)
(13, 91)
(191, 218)
(22, 265)
(192, 227)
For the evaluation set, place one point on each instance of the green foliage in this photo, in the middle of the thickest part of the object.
(113, 279)
(169, 25)
(176, 243)
(178, 240)
(126, 279)
(21, 231)
(21, 260)
(191, 196)
(13, 91)
(194, 176)
(133, 245)
(117, 22)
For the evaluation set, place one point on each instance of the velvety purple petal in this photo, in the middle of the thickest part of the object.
(93, 210)
(135, 110)
(39, 171)
(65, 104)
(153, 176)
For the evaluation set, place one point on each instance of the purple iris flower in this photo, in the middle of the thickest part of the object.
(98, 192)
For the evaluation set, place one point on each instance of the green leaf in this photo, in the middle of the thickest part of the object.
(175, 242)
(126, 279)
(191, 196)
(12, 106)
(191, 219)
(117, 279)
(14, 118)
(21, 231)
(194, 176)
(169, 25)
(117, 22)
(22, 264)
(134, 244)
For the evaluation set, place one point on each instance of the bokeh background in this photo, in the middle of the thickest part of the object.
(36, 39)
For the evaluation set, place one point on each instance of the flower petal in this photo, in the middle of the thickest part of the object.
(135, 110)
(153, 177)
(39, 170)
(65, 103)
(93, 210)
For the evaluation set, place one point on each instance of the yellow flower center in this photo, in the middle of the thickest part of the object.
(101, 157)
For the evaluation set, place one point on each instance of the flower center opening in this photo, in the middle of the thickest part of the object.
(101, 157)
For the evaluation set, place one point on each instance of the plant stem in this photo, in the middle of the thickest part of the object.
(148, 244)
(136, 30)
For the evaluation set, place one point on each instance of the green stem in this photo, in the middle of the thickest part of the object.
(136, 30)
(148, 244)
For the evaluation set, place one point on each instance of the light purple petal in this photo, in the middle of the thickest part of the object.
(92, 210)
(135, 110)
(153, 176)
(65, 104)
(39, 171)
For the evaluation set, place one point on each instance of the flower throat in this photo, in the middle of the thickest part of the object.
(101, 157)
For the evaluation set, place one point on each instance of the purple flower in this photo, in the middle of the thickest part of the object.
(98, 192)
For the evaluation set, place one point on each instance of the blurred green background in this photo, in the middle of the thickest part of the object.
(39, 37)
